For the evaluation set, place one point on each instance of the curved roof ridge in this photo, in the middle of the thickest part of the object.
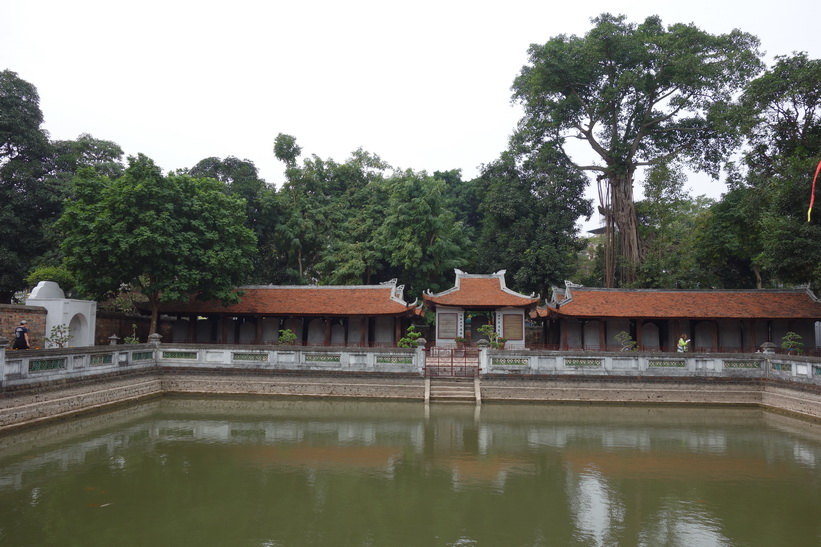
(482, 290)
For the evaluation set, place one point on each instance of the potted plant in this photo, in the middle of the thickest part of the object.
(287, 337)
(496, 342)
(460, 342)
(792, 343)
(410, 338)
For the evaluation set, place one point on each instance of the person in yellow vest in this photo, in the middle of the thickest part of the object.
(683, 343)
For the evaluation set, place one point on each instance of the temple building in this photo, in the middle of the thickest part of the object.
(356, 315)
(476, 300)
(577, 317)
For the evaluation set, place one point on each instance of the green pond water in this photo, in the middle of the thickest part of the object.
(250, 472)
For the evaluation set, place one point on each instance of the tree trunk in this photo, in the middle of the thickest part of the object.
(621, 225)
(154, 300)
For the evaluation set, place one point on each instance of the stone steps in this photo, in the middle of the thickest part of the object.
(452, 390)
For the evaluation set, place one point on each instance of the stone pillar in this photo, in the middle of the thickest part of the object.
(420, 354)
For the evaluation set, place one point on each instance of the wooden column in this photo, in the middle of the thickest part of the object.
(639, 335)
(363, 331)
(602, 334)
(192, 329)
(397, 329)
(714, 336)
(258, 334)
(753, 336)
(563, 330)
(327, 331)
(224, 327)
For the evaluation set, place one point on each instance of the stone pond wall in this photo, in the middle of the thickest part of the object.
(48, 384)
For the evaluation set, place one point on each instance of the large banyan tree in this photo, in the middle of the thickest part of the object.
(638, 95)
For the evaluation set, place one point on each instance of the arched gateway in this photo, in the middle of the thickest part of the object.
(475, 300)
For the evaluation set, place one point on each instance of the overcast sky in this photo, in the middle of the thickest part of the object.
(424, 84)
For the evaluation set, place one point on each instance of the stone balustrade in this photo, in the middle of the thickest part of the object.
(44, 384)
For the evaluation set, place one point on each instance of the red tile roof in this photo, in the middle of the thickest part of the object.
(339, 300)
(707, 304)
(479, 291)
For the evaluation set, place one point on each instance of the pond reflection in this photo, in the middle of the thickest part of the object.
(188, 471)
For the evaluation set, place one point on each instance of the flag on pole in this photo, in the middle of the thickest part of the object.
(812, 192)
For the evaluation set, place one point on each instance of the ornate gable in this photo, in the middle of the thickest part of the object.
(480, 291)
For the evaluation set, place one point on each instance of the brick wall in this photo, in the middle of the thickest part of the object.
(118, 323)
(108, 323)
(12, 314)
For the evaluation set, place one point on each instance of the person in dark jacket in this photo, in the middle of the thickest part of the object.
(21, 337)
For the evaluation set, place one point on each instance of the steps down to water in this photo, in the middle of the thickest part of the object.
(454, 390)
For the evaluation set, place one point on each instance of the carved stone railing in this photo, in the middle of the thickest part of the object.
(29, 367)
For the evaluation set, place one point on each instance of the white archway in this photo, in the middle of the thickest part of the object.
(77, 329)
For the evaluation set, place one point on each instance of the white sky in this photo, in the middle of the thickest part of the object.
(425, 84)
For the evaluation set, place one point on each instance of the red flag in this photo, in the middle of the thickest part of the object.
(812, 192)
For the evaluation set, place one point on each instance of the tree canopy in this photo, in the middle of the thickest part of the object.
(644, 98)
(530, 205)
(29, 200)
(170, 237)
(636, 94)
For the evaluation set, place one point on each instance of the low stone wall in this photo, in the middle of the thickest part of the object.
(49, 402)
(294, 385)
(623, 390)
(49, 384)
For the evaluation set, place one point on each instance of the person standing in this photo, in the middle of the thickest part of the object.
(683, 343)
(21, 336)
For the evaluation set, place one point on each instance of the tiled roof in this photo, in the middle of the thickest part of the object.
(696, 304)
(385, 299)
(481, 291)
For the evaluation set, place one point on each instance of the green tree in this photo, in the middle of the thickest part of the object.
(727, 240)
(170, 238)
(286, 149)
(29, 200)
(783, 113)
(241, 178)
(530, 205)
(422, 239)
(356, 254)
(330, 213)
(105, 157)
(465, 198)
(303, 232)
(58, 274)
(668, 218)
(637, 94)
